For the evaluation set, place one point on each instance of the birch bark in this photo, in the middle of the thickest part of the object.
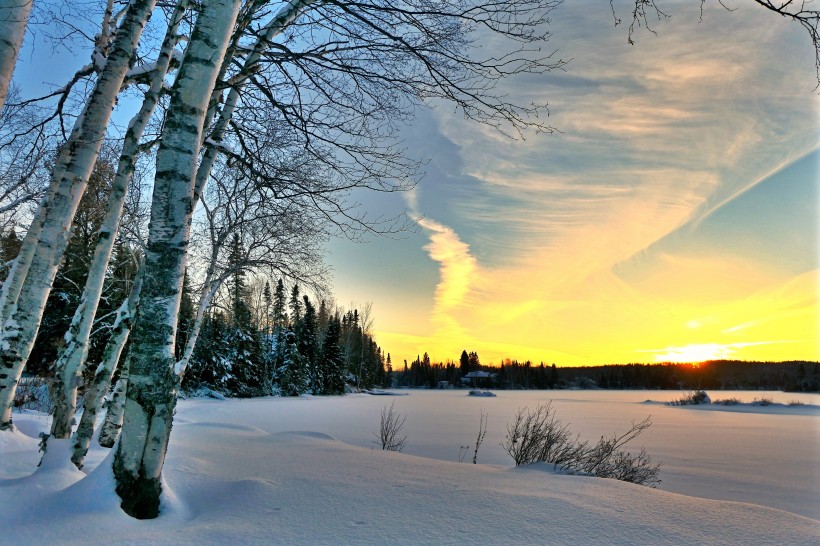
(69, 179)
(95, 392)
(112, 424)
(151, 394)
(71, 360)
(13, 19)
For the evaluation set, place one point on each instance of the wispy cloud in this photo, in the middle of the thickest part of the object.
(457, 269)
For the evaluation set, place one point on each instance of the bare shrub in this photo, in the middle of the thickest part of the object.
(482, 431)
(390, 437)
(607, 459)
(734, 401)
(32, 393)
(691, 399)
(538, 436)
(796, 403)
(763, 401)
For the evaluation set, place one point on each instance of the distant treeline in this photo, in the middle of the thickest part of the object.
(795, 376)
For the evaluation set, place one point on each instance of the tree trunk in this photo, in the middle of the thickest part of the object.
(151, 394)
(13, 20)
(69, 179)
(72, 358)
(115, 408)
(95, 392)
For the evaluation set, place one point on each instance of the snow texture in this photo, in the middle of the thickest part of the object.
(303, 471)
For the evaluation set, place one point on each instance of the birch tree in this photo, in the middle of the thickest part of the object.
(151, 394)
(28, 285)
(72, 358)
(13, 19)
(97, 388)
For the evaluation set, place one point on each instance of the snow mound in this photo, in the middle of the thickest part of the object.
(232, 427)
(306, 434)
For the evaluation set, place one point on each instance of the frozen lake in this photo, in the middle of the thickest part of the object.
(763, 455)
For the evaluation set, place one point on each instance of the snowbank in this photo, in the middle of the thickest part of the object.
(240, 480)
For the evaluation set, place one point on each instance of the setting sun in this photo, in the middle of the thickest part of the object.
(693, 353)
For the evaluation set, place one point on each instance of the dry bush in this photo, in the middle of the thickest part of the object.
(734, 401)
(390, 437)
(607, 459)
(32, 393)
(538, 436)
(691, 399)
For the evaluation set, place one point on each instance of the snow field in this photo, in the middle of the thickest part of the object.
(304, 471)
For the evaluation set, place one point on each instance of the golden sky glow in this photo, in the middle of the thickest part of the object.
(674, 218)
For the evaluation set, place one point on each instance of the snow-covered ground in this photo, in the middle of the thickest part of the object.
(305, 471)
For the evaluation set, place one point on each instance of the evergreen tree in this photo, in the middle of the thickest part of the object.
(71, 276)
(279, 312)
(294, 376)
(464, 363)
(306, 337)
(265, 315)
(331, 360)
(475, 363)
(295, 305)
(239, 292)
(388, 382)
(210, 366)
(279, 321)
(185, 320)
(322, 320)
(9, 247)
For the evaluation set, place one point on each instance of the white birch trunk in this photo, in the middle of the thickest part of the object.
(95, 392)
(69, 180)
(115, 408)
(13, 19)
(72, 358)
(151, 394)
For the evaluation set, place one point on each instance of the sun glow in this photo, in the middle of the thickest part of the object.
(694, 353)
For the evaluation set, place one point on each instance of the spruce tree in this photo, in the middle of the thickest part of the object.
(279, 312)
(294, 378)
(306, 337)
(265, 315)
(295, 305)
(331, 360)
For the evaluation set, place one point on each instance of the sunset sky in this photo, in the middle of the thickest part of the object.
(674, 217)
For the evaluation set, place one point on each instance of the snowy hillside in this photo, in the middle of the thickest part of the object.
(236, 475)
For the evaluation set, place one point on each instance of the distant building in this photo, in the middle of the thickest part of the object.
(479, 378)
